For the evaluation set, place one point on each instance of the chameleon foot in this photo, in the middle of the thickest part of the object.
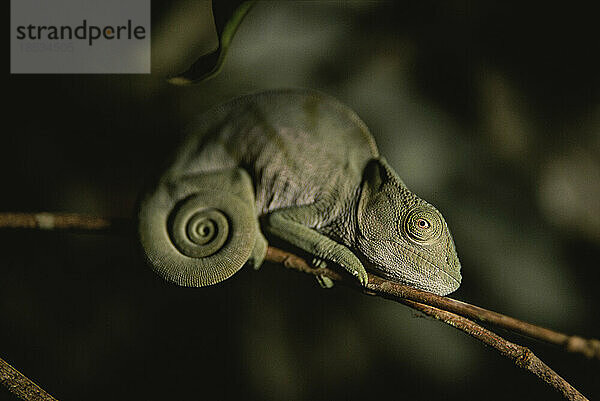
(345, 258)
(324, 281)
(318, 262)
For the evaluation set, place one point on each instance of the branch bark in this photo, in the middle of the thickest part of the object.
(521, 356)
(450, 311)
(65, 221)
(83, 223)
(18, 384)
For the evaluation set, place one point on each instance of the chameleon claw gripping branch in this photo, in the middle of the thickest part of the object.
(298, 166)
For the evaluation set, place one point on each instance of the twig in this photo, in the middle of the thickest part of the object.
(78, 222)
(521, 356)
(442, 308)
(20, 385)
(64, 221)
(588, 347)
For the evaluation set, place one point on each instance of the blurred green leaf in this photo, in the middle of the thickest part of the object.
(228, 17)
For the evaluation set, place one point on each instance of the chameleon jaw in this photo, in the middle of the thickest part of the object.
(415, 270)
(440, 283)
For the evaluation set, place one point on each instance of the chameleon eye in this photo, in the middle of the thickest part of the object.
(422, 225)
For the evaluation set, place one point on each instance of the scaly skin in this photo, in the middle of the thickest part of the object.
(314, 179)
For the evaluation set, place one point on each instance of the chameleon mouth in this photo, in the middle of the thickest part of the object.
(430, 277)
(452, 279)
(451, 274)
(440, 282)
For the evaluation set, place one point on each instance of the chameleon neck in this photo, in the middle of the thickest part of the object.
(343, 226)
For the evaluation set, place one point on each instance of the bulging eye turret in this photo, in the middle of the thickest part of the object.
(422, 225)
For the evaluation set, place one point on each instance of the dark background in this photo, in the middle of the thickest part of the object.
(487, 109)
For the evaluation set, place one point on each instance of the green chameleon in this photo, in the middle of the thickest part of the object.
(302, 168)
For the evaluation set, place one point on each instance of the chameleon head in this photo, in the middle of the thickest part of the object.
(401, 236)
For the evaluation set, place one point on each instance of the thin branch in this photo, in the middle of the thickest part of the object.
(442, 308)
(78, 222)
(521, 356)
(588, 347)
(20, 385)
(64, 221)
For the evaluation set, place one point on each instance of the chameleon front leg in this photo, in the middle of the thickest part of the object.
(293, 225)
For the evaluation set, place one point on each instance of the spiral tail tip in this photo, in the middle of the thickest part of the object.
(203, 240)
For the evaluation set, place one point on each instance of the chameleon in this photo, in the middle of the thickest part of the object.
(296, 166)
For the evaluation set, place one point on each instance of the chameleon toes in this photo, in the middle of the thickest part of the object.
(318, 262)
(362, 276)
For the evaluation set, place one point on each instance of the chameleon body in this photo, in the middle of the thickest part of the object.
(298, 166)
